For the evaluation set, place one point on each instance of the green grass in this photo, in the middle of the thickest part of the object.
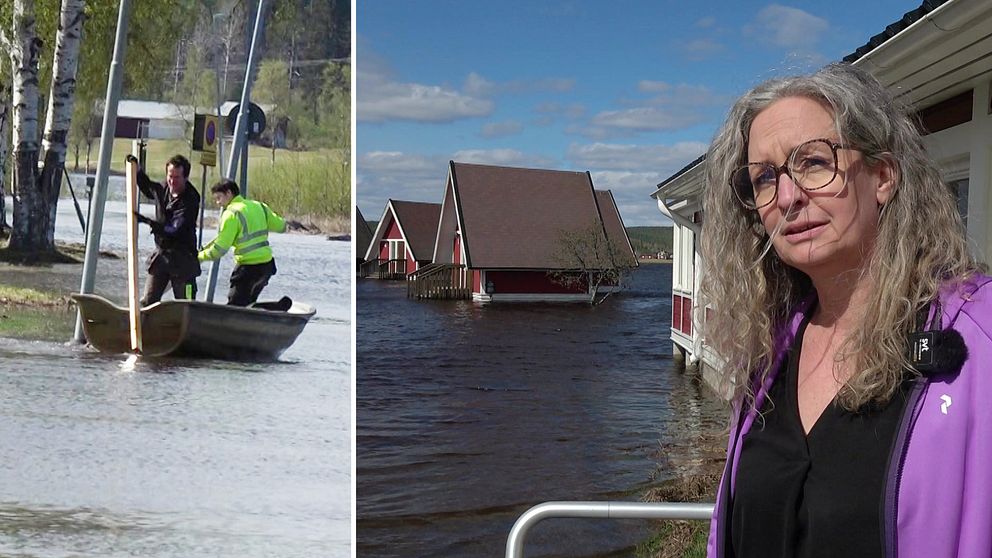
(295, 183)
(47, 323)
(682, 539)
(20, 295)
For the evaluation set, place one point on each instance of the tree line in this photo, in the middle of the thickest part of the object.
(187, 52)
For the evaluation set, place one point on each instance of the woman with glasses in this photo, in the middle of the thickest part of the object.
(854, 326)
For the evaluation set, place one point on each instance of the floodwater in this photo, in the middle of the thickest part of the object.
(179, 458)
(468, 415)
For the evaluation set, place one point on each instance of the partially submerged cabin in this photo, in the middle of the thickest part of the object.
(515, 234)
(938, 59)
(403, 240)
(363, 236)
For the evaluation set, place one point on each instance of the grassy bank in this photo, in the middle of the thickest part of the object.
(34, 299)
(27, 313)
(313, 187)
(680, 539)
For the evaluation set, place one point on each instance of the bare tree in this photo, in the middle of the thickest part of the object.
(588, 259)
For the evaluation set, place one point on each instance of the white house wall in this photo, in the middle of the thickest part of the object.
(965, 151)
(683, 241)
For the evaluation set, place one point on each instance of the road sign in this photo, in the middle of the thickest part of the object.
(256, 120)
(205, 133)
(208, 158)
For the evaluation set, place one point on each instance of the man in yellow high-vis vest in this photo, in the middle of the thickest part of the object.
(245, 226)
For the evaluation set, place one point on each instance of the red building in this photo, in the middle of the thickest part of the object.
(512, 232)
(403, 240)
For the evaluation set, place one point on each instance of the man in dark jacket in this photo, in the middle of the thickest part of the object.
(177, 205)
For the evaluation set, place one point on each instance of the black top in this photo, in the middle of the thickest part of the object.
(175, 252)
(812, 495)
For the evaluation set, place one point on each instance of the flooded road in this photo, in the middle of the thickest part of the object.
(468, 415)
(180, 458)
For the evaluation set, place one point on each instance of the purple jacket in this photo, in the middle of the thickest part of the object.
(938, 495)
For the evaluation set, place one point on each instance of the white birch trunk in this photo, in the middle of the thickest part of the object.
(4, 151)
(60, 103)
(24, 54)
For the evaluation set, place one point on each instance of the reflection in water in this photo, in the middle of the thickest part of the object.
(469, 414)
(182, 457)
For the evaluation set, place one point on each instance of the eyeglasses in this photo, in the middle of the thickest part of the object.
(812, 165)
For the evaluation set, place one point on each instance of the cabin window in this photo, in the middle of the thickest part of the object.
(960, 189)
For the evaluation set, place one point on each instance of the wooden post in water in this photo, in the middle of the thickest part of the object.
(133, 302)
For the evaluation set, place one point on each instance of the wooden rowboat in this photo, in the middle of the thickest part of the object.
(193, 328)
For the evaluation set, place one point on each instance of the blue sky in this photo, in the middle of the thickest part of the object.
(631, 91)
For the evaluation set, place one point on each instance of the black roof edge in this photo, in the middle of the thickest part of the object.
(895, 28)
(683, 170)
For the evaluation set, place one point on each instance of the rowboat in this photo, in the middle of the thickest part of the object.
(193, 328)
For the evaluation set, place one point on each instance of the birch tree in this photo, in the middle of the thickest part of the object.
(35, 193)
(4, 150)
(25, 51)
(59, 114)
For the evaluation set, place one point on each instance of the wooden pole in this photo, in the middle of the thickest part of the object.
(133, 303)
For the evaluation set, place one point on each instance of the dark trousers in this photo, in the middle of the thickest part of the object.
(156, 283)
(247, 282)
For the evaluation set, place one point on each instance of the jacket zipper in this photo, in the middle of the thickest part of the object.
(897, 459)
(722, 514)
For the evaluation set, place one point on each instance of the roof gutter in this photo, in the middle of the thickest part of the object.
(676, 217)
(921, 33)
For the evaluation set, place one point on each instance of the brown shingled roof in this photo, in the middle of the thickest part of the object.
(615, 231)
(363, 234)
(513, 218)
(418, 221)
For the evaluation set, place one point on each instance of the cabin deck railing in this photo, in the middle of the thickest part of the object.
(383, 269)
(601, 510)
(439, 281)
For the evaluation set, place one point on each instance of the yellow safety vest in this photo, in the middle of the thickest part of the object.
(245, 225)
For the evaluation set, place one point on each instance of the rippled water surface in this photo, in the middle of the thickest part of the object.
(180, 458)
(469, 414)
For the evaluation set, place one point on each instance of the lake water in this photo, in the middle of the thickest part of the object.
(469, 414)
(180, 458)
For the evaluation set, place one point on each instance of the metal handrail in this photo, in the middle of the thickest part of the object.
(604, 510)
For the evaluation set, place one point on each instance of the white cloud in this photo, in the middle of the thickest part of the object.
(708, 21)
(483, 86)
(502, 157)
(403, 176)
(554, 85)
(632, 192)
(685, 95)
(384, 175)
(663, 159)
(381, 98)
(633, 172)
(645, 119)
(421, 103)
(501, 129)
(478, 85)
(395, 163)
(671, 107)
(648, 86)
(571, 110)
(787, 27)
(701, 49)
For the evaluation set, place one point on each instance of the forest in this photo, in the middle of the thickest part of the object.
(188, 53)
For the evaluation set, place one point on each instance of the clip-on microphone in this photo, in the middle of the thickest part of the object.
(937, 351)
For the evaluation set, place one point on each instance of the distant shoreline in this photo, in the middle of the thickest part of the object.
(653, 261)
